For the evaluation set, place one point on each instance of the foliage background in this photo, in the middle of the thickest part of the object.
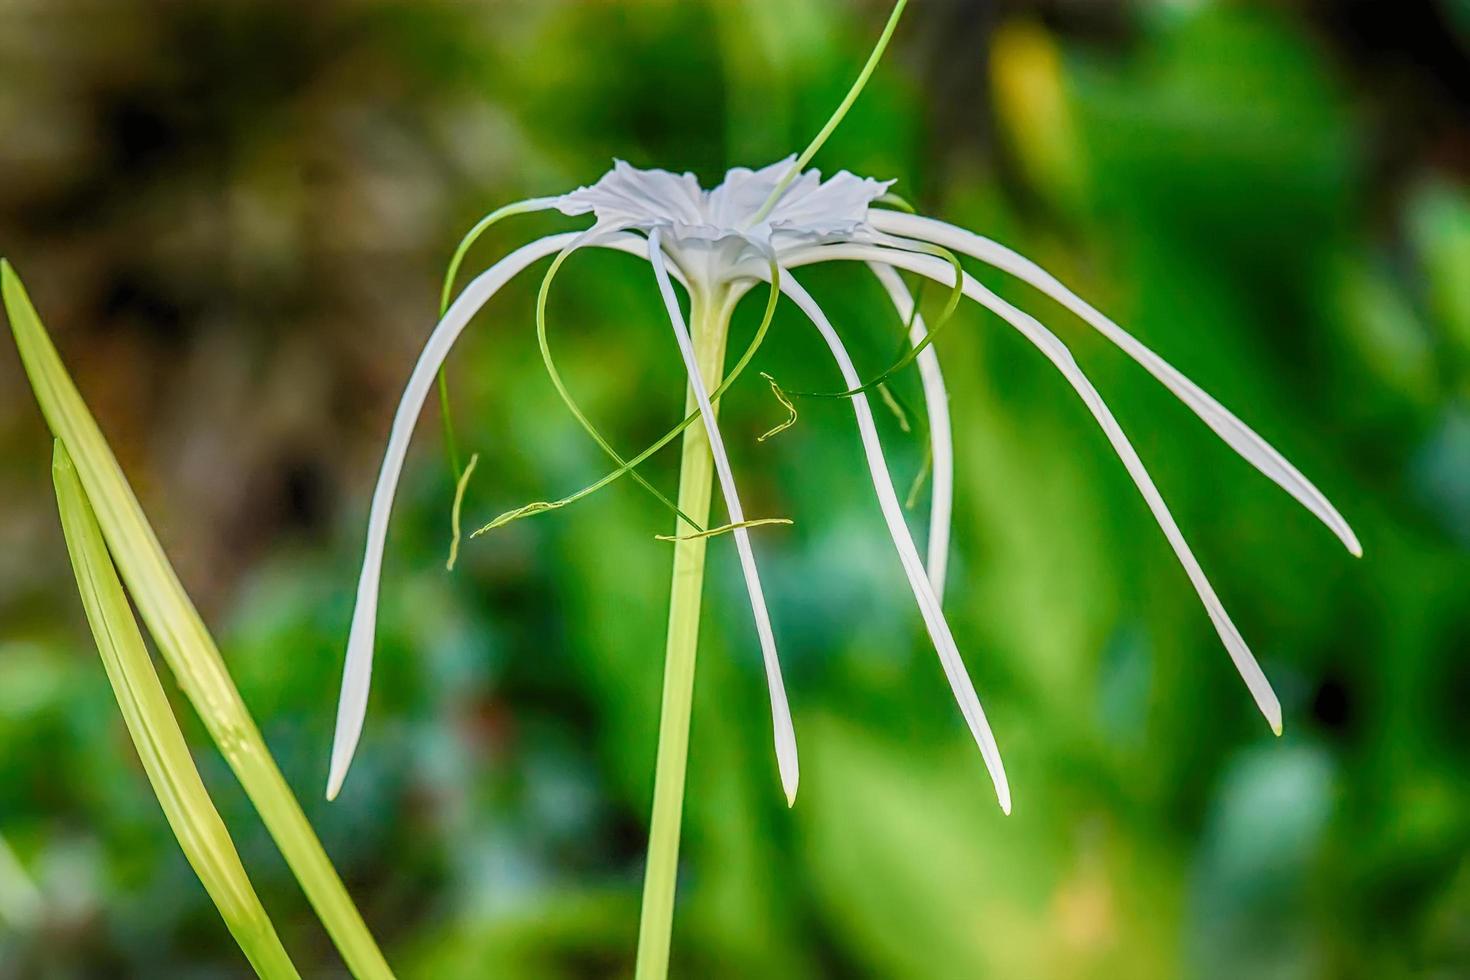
(234, 216)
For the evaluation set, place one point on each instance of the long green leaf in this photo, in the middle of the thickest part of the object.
(156, 734)
(181, 635)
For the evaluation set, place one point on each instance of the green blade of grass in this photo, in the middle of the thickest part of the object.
(155, 732)
(181, 635)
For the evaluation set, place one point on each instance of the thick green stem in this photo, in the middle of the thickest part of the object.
(709, 321)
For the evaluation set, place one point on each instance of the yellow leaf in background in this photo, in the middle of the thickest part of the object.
(1031, 104)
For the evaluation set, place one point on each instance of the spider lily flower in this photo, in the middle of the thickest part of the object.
(756, 227)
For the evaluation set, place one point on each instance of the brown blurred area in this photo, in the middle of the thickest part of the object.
(231, 215)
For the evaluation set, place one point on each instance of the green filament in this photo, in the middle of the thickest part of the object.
(896, 407)
(566, 396)
(920, 478)
(541, 506)
(895, 201)
(451, 443)
(837, 116)
(913, 352)
(454, 512)
(724, 529)
(785, 403)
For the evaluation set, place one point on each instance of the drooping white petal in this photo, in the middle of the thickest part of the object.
(1236, 433)
(924, 592)
(785, 736)
(941, 442)
(357, 669)
(1057, 352)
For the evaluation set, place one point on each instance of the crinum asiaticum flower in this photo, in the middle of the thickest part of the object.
(759, 227)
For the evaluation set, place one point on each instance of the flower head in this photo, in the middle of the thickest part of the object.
(708, 233)
(759, 226)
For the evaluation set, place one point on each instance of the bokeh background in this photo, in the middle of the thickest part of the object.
(234, 217)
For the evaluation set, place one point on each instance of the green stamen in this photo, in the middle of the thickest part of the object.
(913, 352)
(785, 403)
(464, 481)
(566, 396)
(541, 506)
(837, 116)
(451, 444)
(896, 407)
(724, 529)
(920, 478)
(895, 201)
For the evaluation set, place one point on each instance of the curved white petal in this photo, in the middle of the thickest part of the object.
(357, 670)
(1056, 352)
(924, 592)
(1236, 433)
(941, 440)
(780, 712)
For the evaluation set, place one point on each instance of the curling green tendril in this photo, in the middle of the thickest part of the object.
(785, 403)
(454, 512)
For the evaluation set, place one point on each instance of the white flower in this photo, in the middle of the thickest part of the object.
(762, 224)
(708, 232)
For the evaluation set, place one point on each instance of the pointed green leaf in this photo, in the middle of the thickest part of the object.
(155, 731)
(180, 633)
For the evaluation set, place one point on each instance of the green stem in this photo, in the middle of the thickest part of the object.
(709, 322)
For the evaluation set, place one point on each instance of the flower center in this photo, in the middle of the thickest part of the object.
(708, 233)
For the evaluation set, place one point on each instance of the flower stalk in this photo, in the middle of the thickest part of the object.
(710, 321)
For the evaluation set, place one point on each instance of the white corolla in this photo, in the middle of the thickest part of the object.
(756, 228)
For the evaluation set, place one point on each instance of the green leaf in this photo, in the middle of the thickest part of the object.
(180, 633)
(155, 731)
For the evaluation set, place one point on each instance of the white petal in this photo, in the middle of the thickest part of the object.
(628, 195)
(357, 670)
(809, 210)
(743, 191)
(1056, 352)
(929, 607)
(1236, 433)
(941, 442)
(780, 712)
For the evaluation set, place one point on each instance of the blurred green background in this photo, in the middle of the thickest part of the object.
(234, 216)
